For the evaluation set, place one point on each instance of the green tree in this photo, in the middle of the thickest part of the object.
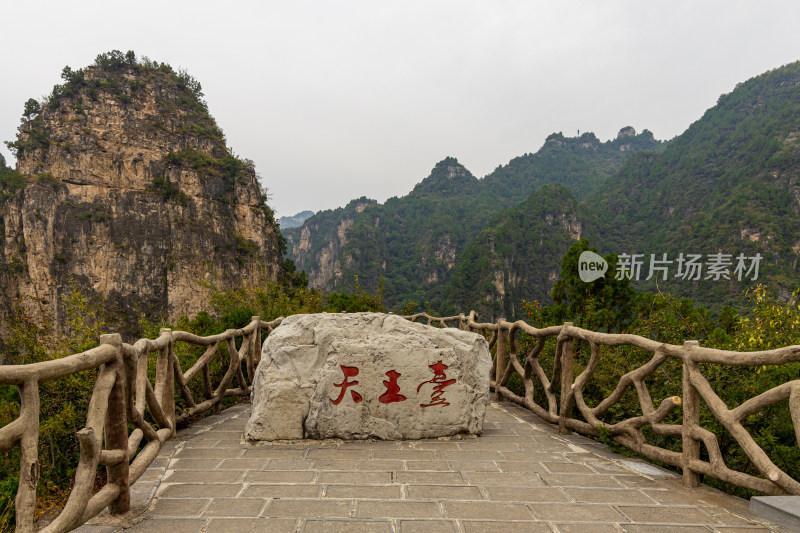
(603, 304)
(32, 108)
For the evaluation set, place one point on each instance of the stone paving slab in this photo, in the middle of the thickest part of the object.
(520, 476)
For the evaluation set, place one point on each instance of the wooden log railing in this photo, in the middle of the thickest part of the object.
(563, 393)
(123, 395)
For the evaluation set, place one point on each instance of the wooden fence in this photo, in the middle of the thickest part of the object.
(123, 394)
(563, 392)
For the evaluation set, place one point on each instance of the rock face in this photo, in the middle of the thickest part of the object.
(489, 276)
(130, 192)
(317, 244)
(368, 375)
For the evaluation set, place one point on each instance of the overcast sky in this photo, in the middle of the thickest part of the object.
(334, 100)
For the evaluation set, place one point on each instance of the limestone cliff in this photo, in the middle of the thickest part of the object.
(129, 191)
(317, 247)
(517, 257)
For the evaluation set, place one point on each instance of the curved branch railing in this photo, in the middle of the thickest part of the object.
(123, 394)
(564, 392)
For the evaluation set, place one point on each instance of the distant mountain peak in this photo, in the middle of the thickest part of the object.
(295, 221)
(359, 204)
(451, 166)
(448, 177)
(586, 140)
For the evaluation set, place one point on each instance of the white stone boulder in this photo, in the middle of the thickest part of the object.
(368, 375)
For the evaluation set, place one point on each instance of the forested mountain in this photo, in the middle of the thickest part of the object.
(725, 193)
(412, 242)
(581, 164)
(728, 185)
(517, 256)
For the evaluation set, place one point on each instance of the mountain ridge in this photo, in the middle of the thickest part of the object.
(741, 161)
(412, 241)
(728, 185)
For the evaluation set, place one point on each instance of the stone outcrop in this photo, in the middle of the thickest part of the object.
(368, 375)
(131, 192)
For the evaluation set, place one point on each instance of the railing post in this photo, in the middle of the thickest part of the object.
(500, 359)
(116, 428)
(165, 379)
(255, 347)
(691, 417)
(567, 360)
(25, 502)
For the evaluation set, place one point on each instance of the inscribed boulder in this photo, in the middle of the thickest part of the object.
(368, 375)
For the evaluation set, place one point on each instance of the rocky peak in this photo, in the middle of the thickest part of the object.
(125, 123)
(448, 177)
(137, 195)
(587, 140)
(449, 167)
(361, 204)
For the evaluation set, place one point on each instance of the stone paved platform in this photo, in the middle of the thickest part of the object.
(520, 476)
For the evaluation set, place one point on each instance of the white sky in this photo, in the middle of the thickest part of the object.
(334, 100)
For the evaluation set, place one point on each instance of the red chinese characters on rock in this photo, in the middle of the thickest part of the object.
(392, 393)
(439, 382)
(349, 372)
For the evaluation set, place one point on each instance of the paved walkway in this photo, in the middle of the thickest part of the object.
(520, 476)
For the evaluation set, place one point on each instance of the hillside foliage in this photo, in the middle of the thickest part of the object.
(413, 242)
(510, 260)
(729, 184)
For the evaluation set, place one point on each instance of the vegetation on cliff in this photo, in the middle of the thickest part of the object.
(123, 77)
(124, 161)
(413, 242)
(510, 260)
(10, 179)
(728, 184)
